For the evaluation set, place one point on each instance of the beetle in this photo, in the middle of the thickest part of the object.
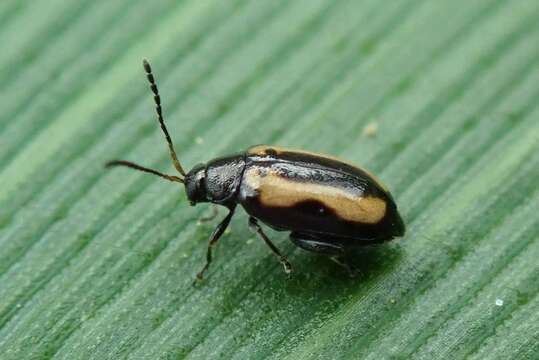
(327, 205)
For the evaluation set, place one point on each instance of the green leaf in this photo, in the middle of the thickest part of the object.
(99, 265)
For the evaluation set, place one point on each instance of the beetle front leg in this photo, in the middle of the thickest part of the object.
(255, 227)
(215, 236)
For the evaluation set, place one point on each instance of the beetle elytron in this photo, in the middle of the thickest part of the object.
(327, 205)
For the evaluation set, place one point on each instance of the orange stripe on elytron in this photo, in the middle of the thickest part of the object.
(275, 191)
(261, 150)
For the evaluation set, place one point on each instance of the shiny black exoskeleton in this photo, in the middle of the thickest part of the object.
(328, 206)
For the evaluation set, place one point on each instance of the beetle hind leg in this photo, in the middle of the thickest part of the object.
(255, 228)
(319, 244)
(316, 243)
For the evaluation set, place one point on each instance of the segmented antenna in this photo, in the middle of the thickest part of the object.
(132, 165)
(159, 111)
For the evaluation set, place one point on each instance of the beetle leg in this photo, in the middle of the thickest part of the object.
(316, 243)
(350, 269)
(219, 230)
(255, 227)
(210, 217)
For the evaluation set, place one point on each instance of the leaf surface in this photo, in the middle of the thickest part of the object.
(99, 265)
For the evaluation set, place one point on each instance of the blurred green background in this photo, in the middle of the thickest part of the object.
(99, 265)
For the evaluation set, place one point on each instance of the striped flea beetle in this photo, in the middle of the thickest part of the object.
(327, 205)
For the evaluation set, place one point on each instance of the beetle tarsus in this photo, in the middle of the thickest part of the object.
(198, 280)
(255, 228)
(286, 265)
(214, 238)
(350, 269)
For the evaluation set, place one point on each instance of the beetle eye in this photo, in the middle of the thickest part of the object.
(200, 190)
(200, 185)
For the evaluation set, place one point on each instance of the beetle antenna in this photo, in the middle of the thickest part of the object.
(159, 110)
(142, 168)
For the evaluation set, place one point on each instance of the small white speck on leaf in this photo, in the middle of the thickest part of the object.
(250, 241)
(371, 129)
(499, 302)
(199, 140)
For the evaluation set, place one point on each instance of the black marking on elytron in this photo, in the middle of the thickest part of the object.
(315, 225)
(271, 152)
(314, 208)
(328, 226)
